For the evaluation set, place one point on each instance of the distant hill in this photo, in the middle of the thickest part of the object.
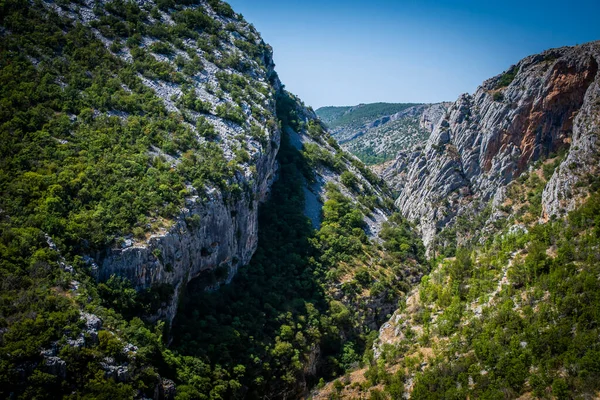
(331, 114)
(356, 116)
(376, 132)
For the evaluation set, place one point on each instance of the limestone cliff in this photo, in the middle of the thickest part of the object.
(544, 104)
(226, 79)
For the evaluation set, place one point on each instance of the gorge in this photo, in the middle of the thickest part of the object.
(175, 224)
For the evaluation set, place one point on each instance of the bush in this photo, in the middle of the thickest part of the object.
(221, 8)
(161, 48)
(205, 129)
(349, 180)
(507, 77)
(195, 19)
(363, 277)
(231, 113)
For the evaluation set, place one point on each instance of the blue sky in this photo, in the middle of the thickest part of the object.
(348, 52)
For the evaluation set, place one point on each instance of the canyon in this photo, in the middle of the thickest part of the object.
(176, 224)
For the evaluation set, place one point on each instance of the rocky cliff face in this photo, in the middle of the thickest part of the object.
(224, 237)
(226, 80)
(432, 114)
(544, 104)
(569, 184)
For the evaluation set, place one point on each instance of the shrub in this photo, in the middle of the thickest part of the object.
(231, 113)
(221, 8)
(195, 19)
(161, 48)
(349, 180)
(205, 129)
(507, 77)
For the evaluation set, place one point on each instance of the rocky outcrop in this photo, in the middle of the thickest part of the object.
(432, 114)
(581, 168)
(211, 233)
(544, 104)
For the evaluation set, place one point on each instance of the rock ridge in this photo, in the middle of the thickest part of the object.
(547, 103)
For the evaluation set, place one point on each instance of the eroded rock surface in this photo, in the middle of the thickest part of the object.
(544, 104)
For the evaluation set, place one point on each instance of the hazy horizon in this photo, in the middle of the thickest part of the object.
(334, 53)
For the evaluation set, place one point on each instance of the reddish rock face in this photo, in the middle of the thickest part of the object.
(489, 138)
(545, 124)
(549, 125)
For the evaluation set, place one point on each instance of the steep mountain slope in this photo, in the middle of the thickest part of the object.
(142, 116)
(546, 104)
(376, 132)
(303, 307)
(516, 317)
(139, 141)
(511, 308)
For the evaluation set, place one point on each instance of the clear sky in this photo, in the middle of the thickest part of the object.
(345, 52)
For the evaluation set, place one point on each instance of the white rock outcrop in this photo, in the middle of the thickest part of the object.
(545, 103)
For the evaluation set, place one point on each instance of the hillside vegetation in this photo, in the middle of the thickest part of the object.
(514, 316)
(357, 116)
(116, 122)
(382, 143)
(375, 133)
(279, 315)
(174, 224)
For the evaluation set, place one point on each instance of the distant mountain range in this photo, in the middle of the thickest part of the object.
(376, 132)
